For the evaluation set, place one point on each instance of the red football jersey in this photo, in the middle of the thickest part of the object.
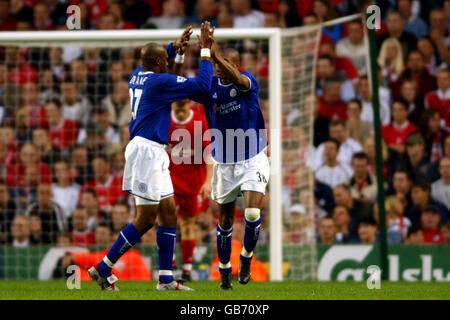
(188, 177)
(65, 134)
(108, 193)
(440, 101)
(397, 135)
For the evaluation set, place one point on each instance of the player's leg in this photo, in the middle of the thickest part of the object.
(252, 202)
(187, 244)
(224, 234)
(165, 240)
(145, 219)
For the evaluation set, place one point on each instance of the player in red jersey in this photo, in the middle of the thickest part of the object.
(190, 175)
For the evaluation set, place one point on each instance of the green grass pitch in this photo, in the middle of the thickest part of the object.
(208, 290)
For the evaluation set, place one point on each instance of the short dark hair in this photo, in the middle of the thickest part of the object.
(400, 101)
(337, 122)
(424, 185)
(91, 191)
(55, 101)
(431, 208)
(368, 220)
(327, 57)
(359, 155)
(333, 141)
(122, 202)
(406, 172)
(414, 228)
(355, 101)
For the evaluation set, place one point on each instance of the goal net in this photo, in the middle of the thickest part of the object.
(64, 104)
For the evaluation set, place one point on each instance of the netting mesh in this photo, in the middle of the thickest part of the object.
(299, 50)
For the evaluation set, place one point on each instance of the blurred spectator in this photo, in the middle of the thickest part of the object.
(332, 172)
(120, 216)
(347, 146)
(396, 133)
(415, 160)
(36, 234)
(49, 212)
(20, 72)
(433, 134)
(88, 199)
(48, 86)
(7, 23)
(137, 11)
(394, 23)
(96, 141)
(205, 10)
(440, 190)
(327, 231)
(116, 9)
(415, 235)
(440, 99)
(7, 212)
(367, 231)
(341, 64)
(29, 156)
(107, 187)
(358, 130)
(430, 219)
(426, 46)
(63, 239)
(325, 11)
(401, 183)
(20, 232)
(103, 234)
(397, 223)
(42, 19)
(22, 126)
(86, 82)
(299, 224)
(408, 93)
(172, 16)
(116, 73)
(100, 116)
(421, 198)
(342, 219)
(287, 15)
(417, 71)
(74, 106)
(81, 233)
(118, 104)
(95, 8)
(63, 132)
(326, 72)
(8, 145)
(439, 34)
(331, 105)
(363, 186)
(117, 156)
(30, 102)
(357, 209)
(47, 153)
(56, 63)
(80, 168)
(413, 24)
(354, 47)
(107, 21)
(445, 231)
(365, 95)
(65, 192)
(244, 16)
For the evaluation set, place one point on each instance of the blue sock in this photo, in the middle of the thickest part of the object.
(251, 235)
(127, 238)
(224, 248)
(165, 240)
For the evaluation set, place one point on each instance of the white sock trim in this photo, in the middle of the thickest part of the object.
(187, 267)
(108, 262)
(165, 272)
(252, 214)
(227, 230)
(246, 254)
(224, 266)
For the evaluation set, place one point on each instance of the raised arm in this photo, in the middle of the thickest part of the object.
(180, 46)
(230, 72)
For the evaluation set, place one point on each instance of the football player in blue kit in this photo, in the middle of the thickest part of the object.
(146, 173)
(241, 166)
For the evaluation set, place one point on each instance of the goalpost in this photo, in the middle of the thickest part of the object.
(291, 54)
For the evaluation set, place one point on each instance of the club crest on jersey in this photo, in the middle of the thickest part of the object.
(233, 92)
(181, 79)
(142, 187)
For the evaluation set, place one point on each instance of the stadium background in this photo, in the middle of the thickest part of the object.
(46, 163)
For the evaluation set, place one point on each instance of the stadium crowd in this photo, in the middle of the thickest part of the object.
(64, 114)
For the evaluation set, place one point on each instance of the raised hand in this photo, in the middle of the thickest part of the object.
(181, 43)
(206, 38)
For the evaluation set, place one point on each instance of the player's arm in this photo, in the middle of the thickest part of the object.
(206, 188)
(180, 46)
(239, 80)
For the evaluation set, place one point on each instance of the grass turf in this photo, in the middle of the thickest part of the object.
(207, 290)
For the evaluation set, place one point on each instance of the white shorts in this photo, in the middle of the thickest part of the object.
(146, 174)
(230, 179)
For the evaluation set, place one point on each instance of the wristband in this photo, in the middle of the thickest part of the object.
(179, 58)
(205, 52)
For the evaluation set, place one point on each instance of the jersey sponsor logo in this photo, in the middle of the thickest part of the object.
(142, 187)
(229, 107)
(233, 92)
(181, 79)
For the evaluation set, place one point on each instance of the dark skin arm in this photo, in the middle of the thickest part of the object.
(206, 37)
(181, 45)
(229, 69)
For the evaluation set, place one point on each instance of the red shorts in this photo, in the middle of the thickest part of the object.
(187, 205)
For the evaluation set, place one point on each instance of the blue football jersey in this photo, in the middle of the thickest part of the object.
(151, 95)
(237, 115)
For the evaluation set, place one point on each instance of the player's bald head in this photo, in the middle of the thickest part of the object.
(151, 55)
(232, 55)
